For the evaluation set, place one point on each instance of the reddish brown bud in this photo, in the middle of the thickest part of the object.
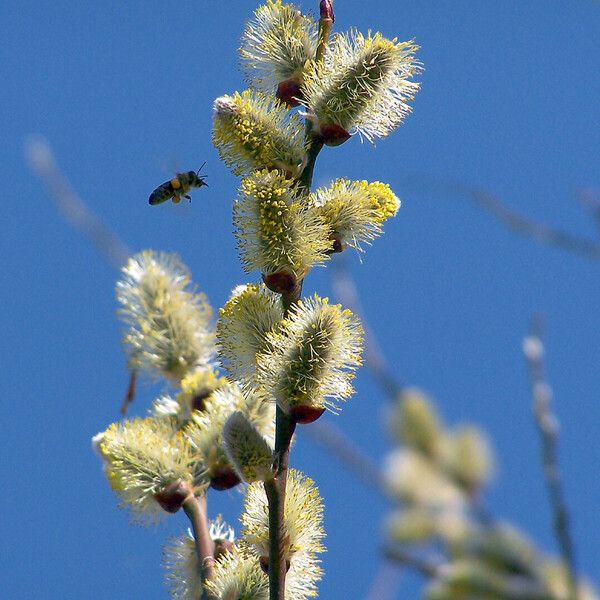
(288, 91)
(336, 244)
(281, 283)
(172, 496)
(326, 10)
(305, 414)
(221, 547)
(223, 478)
(199, 400)
(333, 135)
(264, 564)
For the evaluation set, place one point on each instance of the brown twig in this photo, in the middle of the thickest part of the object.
(547, 425)
(195, 509)
(130, 393)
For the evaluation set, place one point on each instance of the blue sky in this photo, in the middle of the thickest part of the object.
(123, 91)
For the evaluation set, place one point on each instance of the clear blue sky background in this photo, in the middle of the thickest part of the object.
(123, 91)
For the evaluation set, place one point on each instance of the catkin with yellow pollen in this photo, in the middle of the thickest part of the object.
(354, 211)
(254, 131)
(278, 233)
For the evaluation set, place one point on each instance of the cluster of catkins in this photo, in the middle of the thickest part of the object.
(269, 347)
(437, 477)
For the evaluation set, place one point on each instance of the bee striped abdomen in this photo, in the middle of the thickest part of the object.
(162, 193)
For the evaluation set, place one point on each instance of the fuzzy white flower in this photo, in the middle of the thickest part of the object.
(467, 457)
(277, 233)
(303, 520)
(250, 313)
(277, 44)
(205, 431)
(415, 423)
(168, 322)
(363, 86)
(354, 211)
(237, 576)
(311, 359)
(148, 464)
(183, 571)
(414, 478)
(220, 531)
(253, 131)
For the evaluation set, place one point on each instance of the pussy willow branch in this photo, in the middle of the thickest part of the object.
(195, 509)
(547, 425)
(284, 426)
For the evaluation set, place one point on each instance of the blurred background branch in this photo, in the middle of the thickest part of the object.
(69, 204)
(548, 427)
(523, 225)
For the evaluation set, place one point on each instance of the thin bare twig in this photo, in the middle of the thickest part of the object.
(385, 583)
(426, 567)
(589, 199)
(70, 205)
(374, 359)
(338, 444)
(547, 425)
(528, 227)
(77, 214)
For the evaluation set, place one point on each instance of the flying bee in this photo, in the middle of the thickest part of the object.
(178, 187)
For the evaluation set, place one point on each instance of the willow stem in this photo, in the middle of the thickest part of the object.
(275, 489)
(325, 24)
(195, 509)
(284, 426)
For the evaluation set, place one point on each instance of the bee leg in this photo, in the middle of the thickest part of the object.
(176, 199)
(188, 197)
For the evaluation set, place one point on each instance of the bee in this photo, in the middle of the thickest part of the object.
(178, 187)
